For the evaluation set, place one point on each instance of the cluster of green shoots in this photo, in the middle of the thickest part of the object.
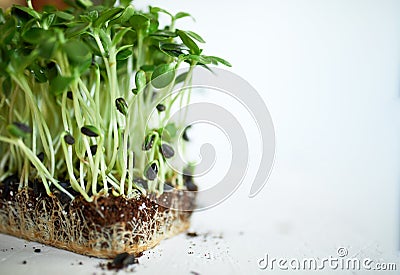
(76, 88)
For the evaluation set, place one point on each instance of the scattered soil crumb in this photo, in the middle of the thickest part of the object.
(194, 273)
(192, 234)
(120, 261)
(37, 250)
(24, 262)
(80, 263)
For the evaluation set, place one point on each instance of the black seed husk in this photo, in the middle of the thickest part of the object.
(141, 182)
(190, 186)
(93, 149)
(121, 105)
(167, 151)
(185, 136)
(152, 170)
(118, 260)
(161, 107)
(122, 260)
(69, 139)
(23, 127)
(148, 143)
(88, 132)
(168, 187)
(130, 259)
(41, 156)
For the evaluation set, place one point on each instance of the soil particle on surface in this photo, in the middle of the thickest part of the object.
(120, 261)
(37, 250)
(192, 234)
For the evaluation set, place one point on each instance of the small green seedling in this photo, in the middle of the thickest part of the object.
(75, 90)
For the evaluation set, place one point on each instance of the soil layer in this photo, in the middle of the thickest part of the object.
(103, 228)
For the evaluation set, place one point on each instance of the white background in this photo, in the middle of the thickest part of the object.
(329, 74)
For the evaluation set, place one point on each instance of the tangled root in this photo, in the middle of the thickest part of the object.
(104, 228)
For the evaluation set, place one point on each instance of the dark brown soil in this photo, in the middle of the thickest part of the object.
(120, 261)
(103, 228)
(192, 234)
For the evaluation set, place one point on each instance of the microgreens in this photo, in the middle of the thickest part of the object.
(75, 88)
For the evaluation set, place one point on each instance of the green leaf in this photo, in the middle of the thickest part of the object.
(19, 130)
(84, 3)
(120, 35)
(164, 34)
(38, 72)
(47, 47)
(8, 31)
(93, 15)
(77, 51)
(154, 24)
(139, 22)
(19, 61)
(140, 80)
(128, 12)
(148, 68)
(50, 9)
(60, 84)
(199, 58)
(174, 50)
(64, 15)
(106, 39)
(125, 2)
(83, 66)
(124, 54)
(217, 60)
(160, 10)
(170, 130)
(75, 29)
(195, 36)
(24, 12)
(48, 20)
(91, 43)
(108, 15)
(181, 78)
(36, 35)
(108, 3)
(180, 15)
(163, 75)
(189, 42)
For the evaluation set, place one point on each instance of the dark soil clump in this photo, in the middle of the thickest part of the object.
(104, 228)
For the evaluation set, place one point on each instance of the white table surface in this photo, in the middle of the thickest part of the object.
(329, 72)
